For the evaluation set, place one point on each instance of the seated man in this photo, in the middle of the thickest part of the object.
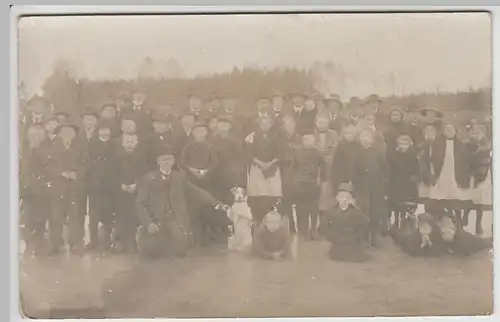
(272, 239)
(161, 205)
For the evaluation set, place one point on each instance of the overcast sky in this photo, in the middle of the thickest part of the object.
(423, 51)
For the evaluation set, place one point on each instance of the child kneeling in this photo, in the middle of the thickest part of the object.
(272, 239)
(345, 227)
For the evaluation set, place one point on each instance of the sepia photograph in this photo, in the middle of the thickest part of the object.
(255, 165)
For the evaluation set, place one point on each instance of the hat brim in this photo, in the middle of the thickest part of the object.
(427, 111)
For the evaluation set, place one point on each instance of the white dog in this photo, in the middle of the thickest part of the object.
(240, 215)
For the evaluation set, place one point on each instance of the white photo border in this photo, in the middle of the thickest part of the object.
(10, 14)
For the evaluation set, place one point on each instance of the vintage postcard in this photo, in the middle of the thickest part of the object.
(255, 165)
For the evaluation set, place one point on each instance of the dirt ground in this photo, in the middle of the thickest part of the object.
(214, 283)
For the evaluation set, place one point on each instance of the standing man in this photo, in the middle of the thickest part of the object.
(298, 111)
(333, 106)
(64, 162)
(140, 113)
(195, 105)
(84, 139)
(278, 107)
(162, 204)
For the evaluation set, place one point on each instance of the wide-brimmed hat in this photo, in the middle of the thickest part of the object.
(431, 112)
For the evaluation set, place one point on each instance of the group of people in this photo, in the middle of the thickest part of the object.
(155, 178)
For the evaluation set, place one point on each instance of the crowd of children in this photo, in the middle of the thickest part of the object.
(343, 171)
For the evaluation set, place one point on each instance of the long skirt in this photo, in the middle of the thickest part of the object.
(483, 193)
(260, 185)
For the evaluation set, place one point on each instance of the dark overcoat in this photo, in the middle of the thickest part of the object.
(153, 199)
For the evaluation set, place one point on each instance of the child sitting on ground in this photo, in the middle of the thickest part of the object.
(345, 227)
(272, 239)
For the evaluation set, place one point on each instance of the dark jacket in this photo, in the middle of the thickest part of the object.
(142, 119)
(152, 201)
(100, 166)
(404, 171)
(342, 169)
(480, 160)
(308, 165)
(55, 160)
(370, 180)
(198, 155)
(346, 231)
(32, 176)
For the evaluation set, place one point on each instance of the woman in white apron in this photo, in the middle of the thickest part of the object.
(265, 149)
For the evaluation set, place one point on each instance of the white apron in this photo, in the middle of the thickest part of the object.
(259, 185)
(446, 187)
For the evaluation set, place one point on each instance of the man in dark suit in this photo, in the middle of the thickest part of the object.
(298, 111)
(139, 112)
(161, 205)
(84, 139)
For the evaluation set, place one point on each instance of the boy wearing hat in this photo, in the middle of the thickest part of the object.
(308, 167)
(199, 161)
(100, 185)
(163, 134)
(395, 128)
(162, 207)
(229, 172)
(414, 126)
(129, 165)
(344, 226)
(278, 106)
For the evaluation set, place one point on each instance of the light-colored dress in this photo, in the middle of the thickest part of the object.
(483, 193)
(446, 187)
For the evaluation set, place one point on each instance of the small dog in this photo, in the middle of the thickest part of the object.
(241, 217)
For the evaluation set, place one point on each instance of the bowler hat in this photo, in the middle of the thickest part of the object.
(61, 113)
(104, 124)
(38, 104)
(346, 186)
(163, 149)
(106, 104)
(89, 112)
(159, 117)
(373, 98)
(70, 123)
(278, 93)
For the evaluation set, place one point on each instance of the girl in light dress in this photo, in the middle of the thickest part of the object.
(479, 150)
(449, 172)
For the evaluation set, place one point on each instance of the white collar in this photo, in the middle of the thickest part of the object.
(298, 109)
